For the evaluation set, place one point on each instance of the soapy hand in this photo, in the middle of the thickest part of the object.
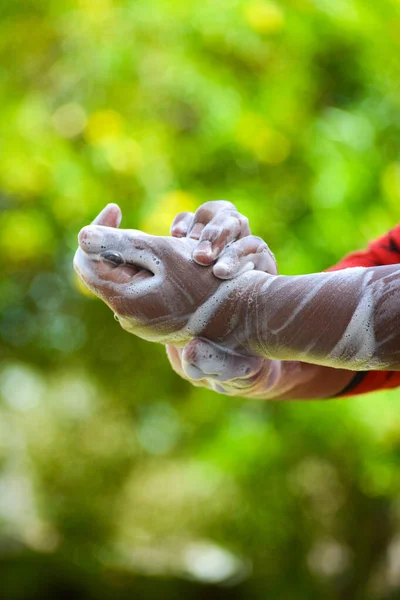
(207, 364)
(154, 286)
(223, 240)
(158, 292)
(346, 319)
(151, 283)
(300, 324)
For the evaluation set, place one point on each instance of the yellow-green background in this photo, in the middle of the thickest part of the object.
(118, 479)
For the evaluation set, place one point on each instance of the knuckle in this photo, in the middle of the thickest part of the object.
(209, 206)
(189, 353)
(229, 225)
(181, 223)
(194, 350)
(223, 204)
(182, 215)
(214, 210)
(241, 223)
(210, 209)
(230, 254)
(258, 240)
(216, 207)
(243, 219)
(212, 230)
(201, 215)
(261, 244)
(267, 251)
(233, 218)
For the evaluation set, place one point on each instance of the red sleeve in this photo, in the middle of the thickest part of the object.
(370, 381)
(383, 251)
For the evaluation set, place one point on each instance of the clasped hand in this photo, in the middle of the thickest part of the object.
(189, 291)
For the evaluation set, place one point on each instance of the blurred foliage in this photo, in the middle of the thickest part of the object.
(116, 477)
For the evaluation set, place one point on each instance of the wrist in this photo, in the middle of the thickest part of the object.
(253, 313)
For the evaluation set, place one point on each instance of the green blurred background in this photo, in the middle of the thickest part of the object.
(118, 479)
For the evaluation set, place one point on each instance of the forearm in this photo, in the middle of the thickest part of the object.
(302, 324)
(349, 318)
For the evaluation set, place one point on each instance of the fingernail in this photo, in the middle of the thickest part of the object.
(192, 372)
(180, 229)
(204, 248)
(221, 269)
(196, 230)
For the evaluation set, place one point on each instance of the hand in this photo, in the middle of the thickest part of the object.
(151, 283)
(159, 293)
(223, 237)
(210, 365)
(155, 288)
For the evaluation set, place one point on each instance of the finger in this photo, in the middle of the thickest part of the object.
(175, 358)
(110, 216)
(244, 255)
(181, 224)
(205, 214)
(204, 359)
(226, 227)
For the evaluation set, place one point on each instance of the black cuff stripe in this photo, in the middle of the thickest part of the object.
(358, 378)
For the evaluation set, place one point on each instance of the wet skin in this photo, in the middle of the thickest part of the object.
(347, 319)
(153, 285)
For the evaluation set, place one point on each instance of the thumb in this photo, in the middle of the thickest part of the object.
(110, 216)
(202, 358)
